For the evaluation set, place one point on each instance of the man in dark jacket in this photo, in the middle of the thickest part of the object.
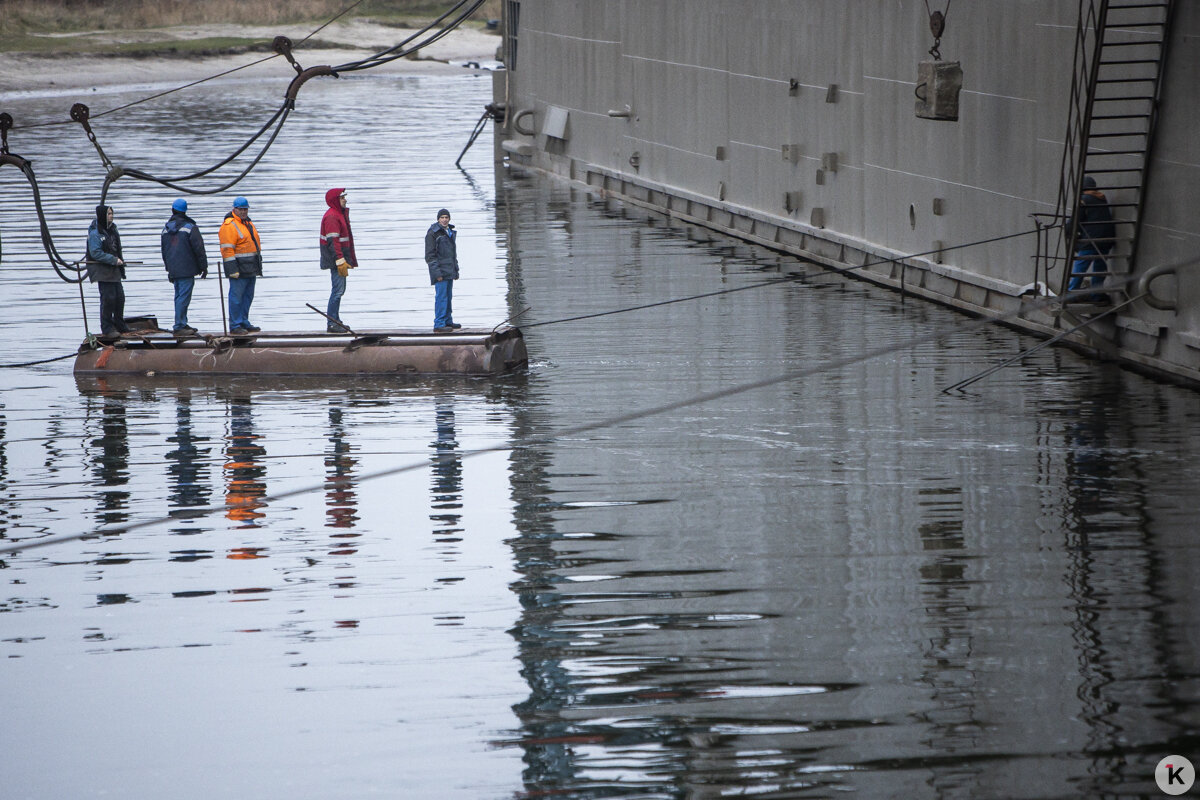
(441, 254)
(106, 268)
(337, 253)
(1093, 238)
(183, 255)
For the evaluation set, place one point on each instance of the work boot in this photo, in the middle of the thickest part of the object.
(454, 325)
(252, 328)
(444, 329)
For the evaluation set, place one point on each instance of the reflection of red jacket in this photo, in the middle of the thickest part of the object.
(337, 240)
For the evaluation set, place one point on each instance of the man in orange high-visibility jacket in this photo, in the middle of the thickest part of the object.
(241, 253)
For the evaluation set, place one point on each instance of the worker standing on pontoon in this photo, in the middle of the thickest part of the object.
(337, 254)
(183, 256)
(241, 253)
(441, 255)
(106, 268)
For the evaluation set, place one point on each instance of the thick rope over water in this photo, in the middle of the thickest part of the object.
(956, 327)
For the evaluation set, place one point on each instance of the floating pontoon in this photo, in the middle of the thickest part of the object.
(399, 352)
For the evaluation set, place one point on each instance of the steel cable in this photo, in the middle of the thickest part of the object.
(776, 282)
(170, 182)
(150, 97)
(763, 284)
(34, 363)
(939, 332)
(398, 51)
(281, 115)
(235, 154)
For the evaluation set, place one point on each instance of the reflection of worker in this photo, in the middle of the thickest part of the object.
(1093, 236)
(106, 268)
(337, 253)
(241, 253)
(447, 471)
(245, 472)
(441, 254)
(340, 496)
(112, 462)
(187, 469)
(184, 257)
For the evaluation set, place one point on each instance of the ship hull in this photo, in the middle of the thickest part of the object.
(792, 125)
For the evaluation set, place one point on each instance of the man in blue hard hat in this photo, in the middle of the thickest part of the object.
(184, 257)
(241, 256)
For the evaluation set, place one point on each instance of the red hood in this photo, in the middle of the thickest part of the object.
(331, 198)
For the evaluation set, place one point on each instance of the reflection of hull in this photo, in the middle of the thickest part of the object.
(466, 352)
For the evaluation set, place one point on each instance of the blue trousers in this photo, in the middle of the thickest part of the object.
(241, 295)
(1086, 260)
(443, 303)
(183, 298)
(337, 288)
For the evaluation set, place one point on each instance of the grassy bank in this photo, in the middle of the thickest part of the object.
(72, 26)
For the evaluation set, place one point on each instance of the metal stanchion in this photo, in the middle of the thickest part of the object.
(221, 292)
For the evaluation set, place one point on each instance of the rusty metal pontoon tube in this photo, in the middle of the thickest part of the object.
(466, 352)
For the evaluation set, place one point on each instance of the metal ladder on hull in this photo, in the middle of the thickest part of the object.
(1120, 53)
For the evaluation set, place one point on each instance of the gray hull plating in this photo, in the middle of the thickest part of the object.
(792, 124)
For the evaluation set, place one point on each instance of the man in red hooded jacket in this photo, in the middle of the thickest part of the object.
(337, 253)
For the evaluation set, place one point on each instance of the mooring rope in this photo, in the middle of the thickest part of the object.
(778, 281)
(34, 363)
(956, 326)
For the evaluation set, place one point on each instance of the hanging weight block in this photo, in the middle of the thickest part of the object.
(938, 85)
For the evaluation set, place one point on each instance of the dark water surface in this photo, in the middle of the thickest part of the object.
(849, 583)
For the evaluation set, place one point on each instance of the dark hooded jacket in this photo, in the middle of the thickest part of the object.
(337, 240)
(1096, 228)
(183, 247)
(104, 249)
(441, 253)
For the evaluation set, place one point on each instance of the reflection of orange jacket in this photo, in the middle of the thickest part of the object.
(240, 247)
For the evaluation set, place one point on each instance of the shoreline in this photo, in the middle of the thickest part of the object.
(30, 75)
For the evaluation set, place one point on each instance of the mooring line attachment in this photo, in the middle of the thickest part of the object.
(218, 344)
(283, 46)
(937, 26)
(1040, 345)
(520, 313)
(80, 113)
(303, 77)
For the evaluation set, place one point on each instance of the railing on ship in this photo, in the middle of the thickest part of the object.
(1116, 79)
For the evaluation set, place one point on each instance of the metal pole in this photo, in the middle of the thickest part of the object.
(87, 334)
(221, 291)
